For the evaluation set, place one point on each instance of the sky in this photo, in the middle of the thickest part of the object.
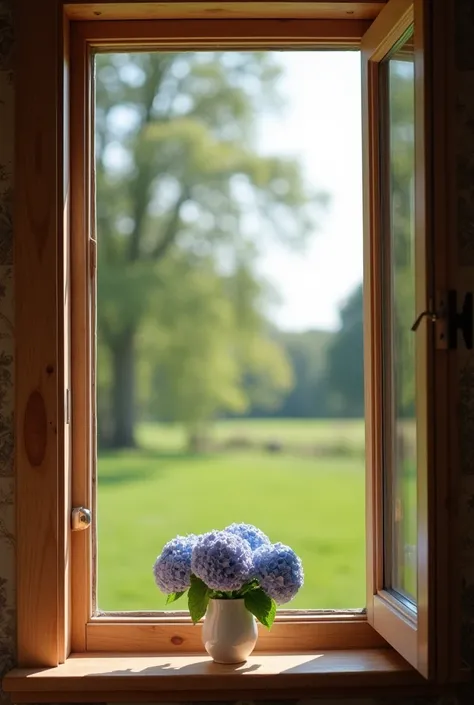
(321, 125)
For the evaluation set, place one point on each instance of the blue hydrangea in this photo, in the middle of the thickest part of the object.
(172, 569)
(250, 533)
(279, 571)
(222, 560)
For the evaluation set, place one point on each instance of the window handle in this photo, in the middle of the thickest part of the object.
(432, 315)
(449, 320)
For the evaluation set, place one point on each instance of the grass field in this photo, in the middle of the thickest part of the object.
(309, 495)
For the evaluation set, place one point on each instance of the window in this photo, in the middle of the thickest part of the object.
(221, 362)
(400, 279)
(400, 388)
(405, 556)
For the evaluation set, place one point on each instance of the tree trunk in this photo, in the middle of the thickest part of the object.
(123, 391)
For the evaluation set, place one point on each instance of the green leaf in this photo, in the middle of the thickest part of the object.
(198, 599)
(253, 585)
(261, 605)
(173, 596)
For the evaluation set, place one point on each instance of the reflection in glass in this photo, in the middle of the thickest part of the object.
(399, 339)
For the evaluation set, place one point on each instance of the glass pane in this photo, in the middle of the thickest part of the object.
(230, 358)
(400, 340)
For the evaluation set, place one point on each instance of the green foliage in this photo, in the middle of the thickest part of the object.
(178, 173)
(261, 606)
(173, 596)
(198, 599)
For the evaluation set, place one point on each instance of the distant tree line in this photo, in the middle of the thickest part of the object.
(327, 370)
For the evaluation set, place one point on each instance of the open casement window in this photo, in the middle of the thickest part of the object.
(398, 373)
(397, 585)
(405, 557)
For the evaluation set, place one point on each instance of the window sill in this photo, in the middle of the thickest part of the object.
(149, 678)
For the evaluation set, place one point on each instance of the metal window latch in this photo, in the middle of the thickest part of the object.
(448, 321)
(432, 315)
(80, 518)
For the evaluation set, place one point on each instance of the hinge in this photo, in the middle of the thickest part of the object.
(460, 321)
(93, 256)
(441, 324)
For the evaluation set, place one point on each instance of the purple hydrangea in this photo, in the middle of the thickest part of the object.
(250, 533)
(279, 571)
(222, 560)
(172, 569)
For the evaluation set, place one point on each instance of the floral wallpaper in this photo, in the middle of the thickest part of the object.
(464, 145)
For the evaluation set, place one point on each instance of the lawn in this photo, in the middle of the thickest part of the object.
(313, 501)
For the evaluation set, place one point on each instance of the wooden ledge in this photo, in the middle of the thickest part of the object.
(230, 9)
(148, 678)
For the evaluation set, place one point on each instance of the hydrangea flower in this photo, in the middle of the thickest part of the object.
(250, 533)
(279, 571)
(172, 568)
(222, 560)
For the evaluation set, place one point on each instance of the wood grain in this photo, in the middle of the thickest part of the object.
(391, 620)
(43, 205)
(145, 634)
(224, 10)
(35, 429)
(443, 222)
(413, 638)
(391, 23)
(39, 392)
(284, 637)
(81, 334)
(111, 677)
(445, 202)
(373, 316)
(243, 34)
(64, 363)
(400, 687)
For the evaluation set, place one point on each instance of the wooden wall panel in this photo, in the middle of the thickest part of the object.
(39, 403)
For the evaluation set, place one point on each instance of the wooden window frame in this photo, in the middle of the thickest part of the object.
(52, 217)
(152, 632)
(404, 628)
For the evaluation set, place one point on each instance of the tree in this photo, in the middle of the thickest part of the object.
(196, 359)
(178, 174)
(345, 372)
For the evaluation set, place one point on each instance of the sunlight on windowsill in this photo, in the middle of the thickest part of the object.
(154, 677)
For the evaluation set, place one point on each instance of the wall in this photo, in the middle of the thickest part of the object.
(7, 481)
(463, 145)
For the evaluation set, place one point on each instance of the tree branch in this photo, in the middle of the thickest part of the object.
(145, 173)
(171, 228)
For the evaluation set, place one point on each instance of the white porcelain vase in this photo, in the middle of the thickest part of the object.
(230, 632)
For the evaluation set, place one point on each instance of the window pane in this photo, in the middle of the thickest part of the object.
(229, 312)
(400, 340)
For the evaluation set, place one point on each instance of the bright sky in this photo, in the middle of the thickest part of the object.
(322, 127)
